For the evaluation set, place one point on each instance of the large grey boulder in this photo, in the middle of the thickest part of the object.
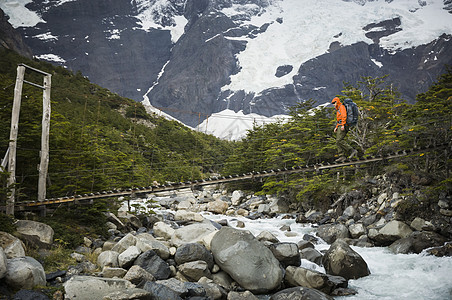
(391, 232)
(300, 293)
(417, 241)
(298, 276)
(124, 243)
(246, 260)
(138, 276)
(24, 273)
(132, 294)
(153, 264)
(192, 252)
(161, 229)
(12, 246)
(342, 260)
(126, 258)
(159, 291)
(89, 287)
(286, 253)
(312, 254)
(195, 270)
(3, 263)
(330, 233)
(108, 258)
(193, 233)
(146, 242)
(32, 228)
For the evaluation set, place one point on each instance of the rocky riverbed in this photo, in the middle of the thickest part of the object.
(197, 246)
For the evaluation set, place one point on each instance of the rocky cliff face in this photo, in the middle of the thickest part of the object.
(11, 39)
(132, 48)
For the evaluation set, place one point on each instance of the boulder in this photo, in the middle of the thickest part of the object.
(267, 236)
(24, 273)
(108, 258)
(192, 233)
(160, 291)
(237, 197)
(298, 276)
(109, 272)
(312, 255)
(356, 230)
(420, 224)
(32, 228)
(417, 241)
(195, 270)
(342, 260)
(391, 232)
(163, 230)
(132, 294)
(126, 258)
(29, 295)
(217, 206)
(89, 287)
(153, 264)
(138, 276)
(124, 243)
(286, 253)
(246, 260)
(246, 295)
(115, 220)
(12, 246)
(3, 263)
(193, 252)
(329, 233)
(188, 216)
(146, 242)
(300, 293)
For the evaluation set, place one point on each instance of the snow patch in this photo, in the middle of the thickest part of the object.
(19, 14)
(51, 57)
(230, 125)
(379, 64)
(46, 37)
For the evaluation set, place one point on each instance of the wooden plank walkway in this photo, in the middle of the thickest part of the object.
(142, 191)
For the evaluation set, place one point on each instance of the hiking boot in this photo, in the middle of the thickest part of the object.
(340, 159)
(354, 152)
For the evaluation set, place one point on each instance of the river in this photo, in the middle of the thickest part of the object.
(393, 276)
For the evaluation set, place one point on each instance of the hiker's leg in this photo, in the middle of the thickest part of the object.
(343, 147)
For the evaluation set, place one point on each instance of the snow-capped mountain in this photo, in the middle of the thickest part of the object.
(198, 60)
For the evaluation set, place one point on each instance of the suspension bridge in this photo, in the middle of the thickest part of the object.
(143, 191)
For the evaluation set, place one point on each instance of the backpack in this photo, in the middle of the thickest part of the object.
(352, 112)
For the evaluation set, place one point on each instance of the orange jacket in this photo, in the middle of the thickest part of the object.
(341, 112)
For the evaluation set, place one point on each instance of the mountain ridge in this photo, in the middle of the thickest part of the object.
(195, 58)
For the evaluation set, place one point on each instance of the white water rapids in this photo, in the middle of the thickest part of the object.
(393, 276)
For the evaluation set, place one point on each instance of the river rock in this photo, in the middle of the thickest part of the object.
(146, 242)
(246, 295)
(217, 206)
(109, 272)
(356, 230)
(267, 236)
(138, 276)
(3, 263)
(417, 241)
(188, 216)
(31, 228)
(12, 246)
(390, 232)
(193, 252)
(132, 294)
(89, 287)
(286, 253)
(246, 260)
(160, 291)
(24, 273)
(124, 243)
(126, 258)
(161, 229)
(298, 276)
(311, 254)
(108, 258)
(420, 224)
(115, 220)
(213, 290)
(329, 233)
(300, 293)
(153, 264)
(194, 270)
(192, 233)
(343, 261)
(29, 295)
(237, 197)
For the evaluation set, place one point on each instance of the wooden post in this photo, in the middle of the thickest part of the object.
(13, 139)
(43, 166)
